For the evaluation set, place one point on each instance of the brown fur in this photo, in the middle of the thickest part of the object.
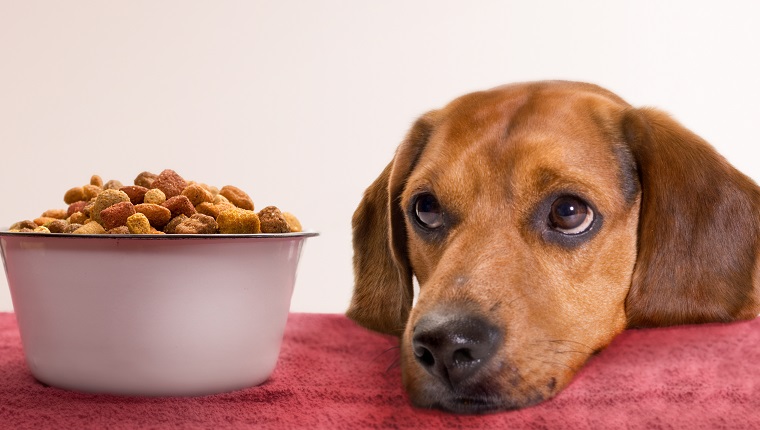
(675, 237)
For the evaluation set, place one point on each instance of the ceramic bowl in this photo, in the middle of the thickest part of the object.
(169, 315)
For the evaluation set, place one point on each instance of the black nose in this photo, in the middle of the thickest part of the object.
(454, 348)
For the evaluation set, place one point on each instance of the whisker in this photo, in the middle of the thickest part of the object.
(394, 365)
(556, 364)
(570, 351)
(566, 341)
(396, 347)
(519, 296)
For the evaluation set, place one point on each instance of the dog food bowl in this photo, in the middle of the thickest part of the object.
(168, 315)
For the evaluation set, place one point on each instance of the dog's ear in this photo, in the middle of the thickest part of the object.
(383, 290)
(698, 228)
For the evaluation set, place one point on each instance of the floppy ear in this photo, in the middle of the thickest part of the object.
(383, 289)
(698, 229)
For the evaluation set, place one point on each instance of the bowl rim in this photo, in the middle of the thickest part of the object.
(304, 234)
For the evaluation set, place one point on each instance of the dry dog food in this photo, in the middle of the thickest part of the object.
(158, 204)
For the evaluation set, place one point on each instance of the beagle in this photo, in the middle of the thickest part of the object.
(541, 220)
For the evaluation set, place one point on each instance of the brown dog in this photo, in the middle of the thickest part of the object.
(540, 221)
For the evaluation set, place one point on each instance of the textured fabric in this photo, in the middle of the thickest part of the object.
(333, 374)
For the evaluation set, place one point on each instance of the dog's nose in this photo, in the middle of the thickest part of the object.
(454, 348)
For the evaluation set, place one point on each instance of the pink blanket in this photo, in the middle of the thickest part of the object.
(333, 374)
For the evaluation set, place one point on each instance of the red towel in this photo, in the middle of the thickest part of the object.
(333, 374)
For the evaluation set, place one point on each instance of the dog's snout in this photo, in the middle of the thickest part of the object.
(454, 349)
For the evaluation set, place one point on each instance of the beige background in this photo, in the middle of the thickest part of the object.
(302, 103)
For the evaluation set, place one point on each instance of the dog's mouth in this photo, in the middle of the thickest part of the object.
(470, 405)
(477, 397)
(481, 404)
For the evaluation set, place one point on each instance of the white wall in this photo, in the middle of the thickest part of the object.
(302, 103)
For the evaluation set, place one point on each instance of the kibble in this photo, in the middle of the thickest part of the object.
(90, 191)
(90, 228)
(75, 207)
(106, 199)
(122, 229)
(116, 215)
(272, 221)
(58, 226)
(237, 197)
(197, 224)
(43, 220)
(138, 224)
(74, 195)
(293, 223)
(170, 182)
(25, 226)
(113, 184)
(145, 179)
(78, 218)
(157, 215)
(173, 223)
(158, 204)
(71, 228)
(197, 194)
(136, 193)
(154, 196)
(238, 221)
(179, 205)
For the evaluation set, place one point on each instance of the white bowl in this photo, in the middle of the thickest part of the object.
(168, 315)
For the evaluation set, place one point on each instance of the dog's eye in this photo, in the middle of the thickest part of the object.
(570, 215)
(428, 211)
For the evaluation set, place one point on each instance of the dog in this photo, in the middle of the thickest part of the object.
(540, 220)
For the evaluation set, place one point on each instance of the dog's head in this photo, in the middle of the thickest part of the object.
(540, 221)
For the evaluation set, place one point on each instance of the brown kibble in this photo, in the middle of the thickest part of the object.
(170, 182)
(55, 213)
(87, 208)
(138, 224)
(197, 194)
(295, 225)
(75, 207)
(220, 199)
(23, 225)
(90, 228)
(58, 226)
(43, 220)
(41, 229)
(97, 181)
(223, 206)
(91, 191)
(74, 195)
(211, 189)
(136, 193)
(272, 221)
(77, 218)
(116, 215)
(208, 208)
(71, 228)
(113, 184)
(145, 179)
(157, 215)
(106, 199)
(238, 221)
(172, 225)
(122, 229)
(179, 205)
(154, 196)
(197, 224)
(237, 197)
